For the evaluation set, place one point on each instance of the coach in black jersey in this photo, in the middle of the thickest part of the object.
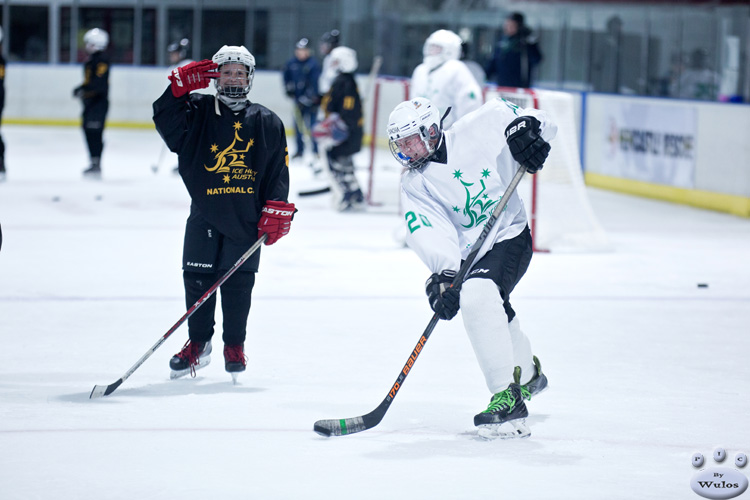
(233, 160)
(94, 92)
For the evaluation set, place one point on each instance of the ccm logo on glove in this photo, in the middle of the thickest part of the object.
(275, 220)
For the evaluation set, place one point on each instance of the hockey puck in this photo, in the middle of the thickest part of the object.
(55, 198)
(98, 198)
(702, 285)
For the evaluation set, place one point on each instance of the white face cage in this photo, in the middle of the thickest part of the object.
(233, 82)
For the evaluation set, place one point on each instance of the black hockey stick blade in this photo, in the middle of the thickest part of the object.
(105, 390)
(345, 426)
(314, 192)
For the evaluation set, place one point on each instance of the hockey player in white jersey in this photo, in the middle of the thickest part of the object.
(444, 79)
(453, 180)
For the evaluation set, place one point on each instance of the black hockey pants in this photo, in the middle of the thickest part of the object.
(94, 115)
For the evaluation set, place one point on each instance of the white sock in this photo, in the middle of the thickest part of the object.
(487, 327)
(522, 351)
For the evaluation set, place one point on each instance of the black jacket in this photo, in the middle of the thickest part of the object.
(514, 60)
(231, 164)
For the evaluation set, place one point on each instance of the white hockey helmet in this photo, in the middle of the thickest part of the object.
(343, 60)
(441, 46)
(412, 124)
(96, 40)
(238, 55)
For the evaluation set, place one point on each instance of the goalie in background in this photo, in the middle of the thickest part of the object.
(453, 180)
(340, 132)
(444, 79)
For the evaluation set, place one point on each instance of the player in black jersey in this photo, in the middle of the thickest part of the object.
(94, 91)
(2, 105)
(233, 159)
(343, 116)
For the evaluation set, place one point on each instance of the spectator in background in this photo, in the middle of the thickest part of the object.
(697, 81)
(516, 55)
(94, 92)
(2, 105)
(301, 74)
(605, 68)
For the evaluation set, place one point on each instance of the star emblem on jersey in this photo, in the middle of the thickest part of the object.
(230, 161)
(457, 174)
(477, 206)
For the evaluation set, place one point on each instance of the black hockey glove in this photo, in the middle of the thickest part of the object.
(444, 299)
(526, 145)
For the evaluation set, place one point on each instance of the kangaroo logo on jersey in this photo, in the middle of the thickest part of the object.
(478, 206)
(231, 160)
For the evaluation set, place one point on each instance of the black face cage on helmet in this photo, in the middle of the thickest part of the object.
(235, 91)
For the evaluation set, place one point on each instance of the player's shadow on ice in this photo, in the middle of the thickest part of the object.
(170, 388)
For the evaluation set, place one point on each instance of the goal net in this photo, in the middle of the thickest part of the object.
(560, 215)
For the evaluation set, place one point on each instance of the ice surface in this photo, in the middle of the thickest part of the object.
(645, 368)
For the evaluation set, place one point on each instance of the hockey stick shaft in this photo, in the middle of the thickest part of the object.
(106, 390)
(358, 424)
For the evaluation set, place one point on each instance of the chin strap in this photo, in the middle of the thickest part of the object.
(447, 111)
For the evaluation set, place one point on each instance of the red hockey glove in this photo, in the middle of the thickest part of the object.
(275, 220)
(193, 76)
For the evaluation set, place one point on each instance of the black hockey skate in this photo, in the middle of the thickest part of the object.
(536, 385)
(235, 360)
(505, 417)
(94, 171)
(353, 201)
(192, 357)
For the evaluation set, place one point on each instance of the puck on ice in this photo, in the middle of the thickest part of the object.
(55, 198)
(702, 285)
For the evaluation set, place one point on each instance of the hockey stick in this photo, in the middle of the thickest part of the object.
(358, 424)
(105, 390)
(313, 192)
